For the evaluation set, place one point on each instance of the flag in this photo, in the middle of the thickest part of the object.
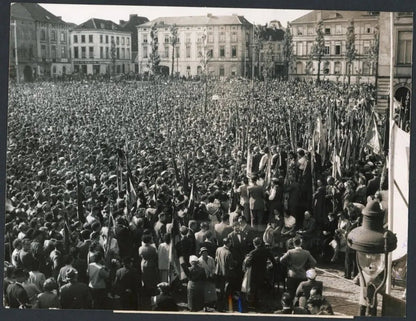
(67, 234)
(80, 198)
(249, 160)
(191, 202)
(131, 192)
(373, 137)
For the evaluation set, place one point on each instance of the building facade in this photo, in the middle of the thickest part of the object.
(131, 26)
(227, 42)
(100, 47)
(334, 62)
(271, 50)
(402, 58)
(41, 41)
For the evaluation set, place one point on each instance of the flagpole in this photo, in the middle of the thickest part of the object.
(391, 151)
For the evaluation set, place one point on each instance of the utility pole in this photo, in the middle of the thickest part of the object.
(14, 24)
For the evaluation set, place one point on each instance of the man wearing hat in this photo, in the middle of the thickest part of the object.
(126, 284)
(74, 294)
(16, 296)
(224, 270)
(256, 196)
(304, 288)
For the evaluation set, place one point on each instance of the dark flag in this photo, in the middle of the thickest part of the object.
(80, 199)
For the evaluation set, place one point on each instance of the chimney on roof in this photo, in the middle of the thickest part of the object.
(132, 16)
(122, 22)
(318, 15)
(209, 15)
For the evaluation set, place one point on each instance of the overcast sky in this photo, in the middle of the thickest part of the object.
(76, 13)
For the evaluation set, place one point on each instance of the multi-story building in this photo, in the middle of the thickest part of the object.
(334, 62)
(131, 26)
(42, 42)
(402, 58)
(100, 47)
(227, 42)
(271, 51)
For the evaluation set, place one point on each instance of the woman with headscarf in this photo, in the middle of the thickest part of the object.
(196, 284)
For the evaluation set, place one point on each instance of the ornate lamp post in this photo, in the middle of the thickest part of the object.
(372, 243)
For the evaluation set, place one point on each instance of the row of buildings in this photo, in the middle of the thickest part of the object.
(42, 44)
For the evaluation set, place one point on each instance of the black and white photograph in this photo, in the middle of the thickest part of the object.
(204, 160)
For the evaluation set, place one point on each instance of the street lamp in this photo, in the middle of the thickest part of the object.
(372, 243)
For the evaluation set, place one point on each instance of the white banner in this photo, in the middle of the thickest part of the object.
(401, 189)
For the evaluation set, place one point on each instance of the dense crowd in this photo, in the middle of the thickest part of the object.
(134, 194)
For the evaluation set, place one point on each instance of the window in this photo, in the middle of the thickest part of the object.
(299, 48)
(107, 53)
(53, 35)
(404, 54)
(117, 40)
(75, 39)
(222, 52)
(338, 29)
(166, 38)
(43, 34)
(234, 37)
(83, 52)
(62, 38)
(233, 71)
(43, 51)
(145, 38)
(327, 31)
(76, 55)
(123, 53)
(188, 51)
(337, 68)
(54, 69)
(326, 50)
(82, 38)
(210, 37)
(127, 53)
(63, 52)
(367, 28)
(101, 38)
(118, 53)
(222, 37)
(337, 49)
(127, 41)
(210, 53)
(366, 47)
(309, 46)
(177, 53)
(144, 52)
(90, 38)
(326, 68)
(91, 52)
(53, 52)
(122, 40)
(188, 38)
(112, 39)
(366, 68)
(299, 68)
(310, 30)
(234, 51)
(300, 31)
(106, 39)
(101, 52)
(222, 71)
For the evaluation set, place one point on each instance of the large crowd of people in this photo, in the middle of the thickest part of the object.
(138, 195)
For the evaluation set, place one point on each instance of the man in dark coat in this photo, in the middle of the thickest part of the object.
(74, 294)
(257, 260)
(373, 184)
(126, 283)
(256, 196)
(297, 261)
(16, 295)
(224, 270)
(305, 287)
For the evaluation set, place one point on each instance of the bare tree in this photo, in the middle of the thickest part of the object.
(351, 51)
(318, 48)
(154, 55)
(173, 41)
(288, 57)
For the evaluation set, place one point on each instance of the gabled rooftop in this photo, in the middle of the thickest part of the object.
(33, 11)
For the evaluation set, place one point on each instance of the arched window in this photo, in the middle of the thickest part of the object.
(299, 68)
